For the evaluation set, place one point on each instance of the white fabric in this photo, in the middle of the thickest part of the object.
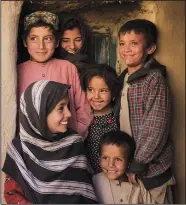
(111, 192)
(124, 109)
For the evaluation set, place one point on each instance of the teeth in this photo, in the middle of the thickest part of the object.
(97, 102)
(72, 52)
(64, 123)
(111, 171)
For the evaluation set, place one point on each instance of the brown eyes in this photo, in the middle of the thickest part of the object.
(49, 38)
(33, 38)
(115, 159)
(45, 38)
(68, 40)
(61, 108)
(102, 90)
(132, 43)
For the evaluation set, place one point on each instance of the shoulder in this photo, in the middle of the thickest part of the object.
(63, 62)
(101, 184)
(24, 65)
(65, 65)
(155, 78)
(155, 72)
(74, 136)
(100, 177)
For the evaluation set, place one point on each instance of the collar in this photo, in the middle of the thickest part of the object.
(151, 65)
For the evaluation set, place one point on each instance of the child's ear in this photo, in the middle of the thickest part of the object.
(24, 43)
(151, 49)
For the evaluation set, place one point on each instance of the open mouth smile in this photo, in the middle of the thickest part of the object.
(64, 123)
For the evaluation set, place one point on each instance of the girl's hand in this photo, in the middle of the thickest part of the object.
(132, 178)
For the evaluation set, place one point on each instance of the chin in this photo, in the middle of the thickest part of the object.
(63, 130)
(97, 108)
(112, 177)
(41, 60)
(71, 52)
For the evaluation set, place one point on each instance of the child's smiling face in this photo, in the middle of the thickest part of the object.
(57, 120)
(133, 49)
(99, 95)
(71, 40)
(113, 161)
(41, 44)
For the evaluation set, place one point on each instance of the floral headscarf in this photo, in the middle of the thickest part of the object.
(45, 16)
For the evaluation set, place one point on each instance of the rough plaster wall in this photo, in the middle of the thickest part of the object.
(170, 20)
(107, 17)
(9, 23)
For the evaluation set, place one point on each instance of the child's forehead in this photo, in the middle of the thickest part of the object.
(111, 148)
(97, 80)
(41, 30)
(63, 101)
(132, 33)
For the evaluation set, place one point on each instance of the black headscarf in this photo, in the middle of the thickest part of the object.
(50, 168)
(82, 58)
(85, 34)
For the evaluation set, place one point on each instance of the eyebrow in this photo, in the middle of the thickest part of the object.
(62, 104)
(38, 35)
(69, 38)
(99, 88)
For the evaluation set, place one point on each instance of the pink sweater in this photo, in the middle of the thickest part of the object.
(64, 72)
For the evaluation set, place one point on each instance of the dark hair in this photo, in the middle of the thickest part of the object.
(120, 139)
(40, 23)
(147, 28)
(71, 24)
(107, 73)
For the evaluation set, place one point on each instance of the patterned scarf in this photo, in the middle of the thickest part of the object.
(50, 168)
(47, 17)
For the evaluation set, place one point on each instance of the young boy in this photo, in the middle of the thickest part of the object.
(143, 108)
(112, 185)
(41, 38)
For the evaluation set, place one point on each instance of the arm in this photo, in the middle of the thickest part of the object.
(82, 108)
(13, 193)
(154, 127)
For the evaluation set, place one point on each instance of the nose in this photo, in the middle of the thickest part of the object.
(111, 163)
(67, 113)
(72, 45)
(127, 48)
(96, 95)
(41, 44)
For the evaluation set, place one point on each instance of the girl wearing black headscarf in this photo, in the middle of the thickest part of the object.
(74, 42)
(45, 163)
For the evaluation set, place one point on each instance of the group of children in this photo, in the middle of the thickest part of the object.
(120, 124)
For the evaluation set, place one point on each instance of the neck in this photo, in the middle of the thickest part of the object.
(105, 111)
(40, 62)
(123, 178)
(134, 69)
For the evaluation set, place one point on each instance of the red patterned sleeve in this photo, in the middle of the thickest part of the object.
(13, 193)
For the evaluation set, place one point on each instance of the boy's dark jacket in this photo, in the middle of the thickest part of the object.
(144, 77)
